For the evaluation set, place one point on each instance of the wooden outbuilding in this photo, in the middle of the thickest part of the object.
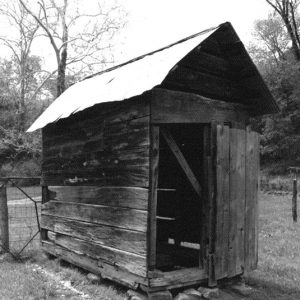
(158, 190)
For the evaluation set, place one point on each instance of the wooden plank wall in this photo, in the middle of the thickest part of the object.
(180, 107)
(96, 167)
(207, 72)
(237, 201)
(222, 200)
(237, 166)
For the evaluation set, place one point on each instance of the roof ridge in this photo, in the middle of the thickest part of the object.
(152, 52)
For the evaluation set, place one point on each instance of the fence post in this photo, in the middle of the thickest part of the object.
(294, 200)
(4, 233)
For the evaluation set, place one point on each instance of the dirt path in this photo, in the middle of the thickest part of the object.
(61, 288)
(24, 201)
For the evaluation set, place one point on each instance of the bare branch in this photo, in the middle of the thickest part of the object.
(11, 47)
(45, 28)
(42, 84)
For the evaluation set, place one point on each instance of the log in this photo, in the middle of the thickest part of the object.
(128, 197)
(132, 219)
(95, 266)
(122, 239)
(126, 261)
(179, 107)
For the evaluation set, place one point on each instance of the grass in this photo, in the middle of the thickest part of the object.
(77, 278)
(41, 278)
(277, 276)
(278, 273)
(21, 281)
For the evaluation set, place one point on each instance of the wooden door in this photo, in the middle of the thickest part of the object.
(235, 170)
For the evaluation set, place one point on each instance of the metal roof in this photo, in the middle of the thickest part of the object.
(121, 82)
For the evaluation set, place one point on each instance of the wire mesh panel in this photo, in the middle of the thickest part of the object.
(24, 207)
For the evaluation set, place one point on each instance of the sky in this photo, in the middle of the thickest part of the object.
(156, 23)
(152, 24)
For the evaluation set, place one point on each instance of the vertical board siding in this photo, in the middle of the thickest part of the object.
(237, 169)
(251, 208)
(237, 202)
(205, 204)
(154, 161)
(222, 201)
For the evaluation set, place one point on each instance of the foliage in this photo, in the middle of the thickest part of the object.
(280, 133)
(19, 41)
(81, 41)
(79, 37)
(11, 111)
(288, 12)
(20, 154)
(281, 138)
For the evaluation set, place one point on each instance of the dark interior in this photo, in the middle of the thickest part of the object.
(178, 205)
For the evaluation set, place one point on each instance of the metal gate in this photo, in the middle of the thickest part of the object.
(20, 205)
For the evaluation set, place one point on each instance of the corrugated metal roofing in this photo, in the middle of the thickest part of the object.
(122, 82)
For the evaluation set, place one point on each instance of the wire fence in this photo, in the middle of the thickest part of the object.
(23, 205)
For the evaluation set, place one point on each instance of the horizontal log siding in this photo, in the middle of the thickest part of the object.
(128, 197)
(180, 107)
(96, 266)
(127, 218)
(111, 150)
(96, 167)
(119, 238)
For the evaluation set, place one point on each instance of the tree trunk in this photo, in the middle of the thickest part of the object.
(61, 75)
(22, 105)
(292, 35)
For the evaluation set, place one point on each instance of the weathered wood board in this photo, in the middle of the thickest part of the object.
(222, 200)
(123, 239)
(106, 149)
(237, 168)
(127, 218)
(177, 278)
(207, 63)
(179, 107)
(152, 204)
(202, 83)
(251, 208)
(95, 266)
(127, 261)
(128, 197)
(237, 202)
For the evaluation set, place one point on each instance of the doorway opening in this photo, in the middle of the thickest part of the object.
(179, 197)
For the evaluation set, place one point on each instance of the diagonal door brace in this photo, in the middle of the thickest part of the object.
(181, 160)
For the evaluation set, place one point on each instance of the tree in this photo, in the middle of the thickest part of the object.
(287, 10)
(76, 35)
(280, 143)
(23, 32)
(272, 34)
(10, 92)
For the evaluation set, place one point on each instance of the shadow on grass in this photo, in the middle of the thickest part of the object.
(265, 290)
